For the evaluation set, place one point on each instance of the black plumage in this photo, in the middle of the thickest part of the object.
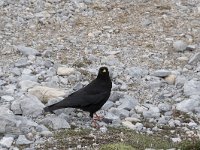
(90, 98)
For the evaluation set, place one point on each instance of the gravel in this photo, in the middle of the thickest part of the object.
(151, 49)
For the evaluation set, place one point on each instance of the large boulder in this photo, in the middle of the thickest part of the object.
(45, 93)
(28, 106)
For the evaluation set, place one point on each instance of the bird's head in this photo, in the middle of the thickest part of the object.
(103, 72)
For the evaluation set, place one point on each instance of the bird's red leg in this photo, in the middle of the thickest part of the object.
(95, 124)
(96, 117)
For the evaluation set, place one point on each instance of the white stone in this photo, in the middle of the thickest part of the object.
(63, 71)
(132, 119)
(6, 142)
(46, 93)
(170, 79)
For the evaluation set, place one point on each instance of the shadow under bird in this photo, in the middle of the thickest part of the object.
(90, 98)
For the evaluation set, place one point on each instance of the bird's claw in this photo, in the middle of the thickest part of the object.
(98, 118)
(95, 124)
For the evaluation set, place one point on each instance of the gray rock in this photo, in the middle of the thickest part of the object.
(139, 126)
(28, 106)
(163, 120)
(27, 50)
(26, 71)
(7, 98)
(115, 96)
(164, 107)
(152, 112)
(191, 47)
(16, 71)
(115, 119)
(192, 87)
(48, 63)
(108, 105)
(47, 53)
(195, 58)
(128, 102)
(2, 82)
(122, 113)
(55, 122)
(189, 105)
(5, 111)
(137, 72)
(27, 84)
(146, 22)
(78, 86)
(51, 72)
(23, 62)
(9, 124)
(22, 140)
(10, 89)
(179, 46)
(161, 73)
(28, 77)
(6, 142)
(180, 81)
(110, 60)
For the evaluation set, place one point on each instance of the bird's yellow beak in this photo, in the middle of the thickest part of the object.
(104, 70)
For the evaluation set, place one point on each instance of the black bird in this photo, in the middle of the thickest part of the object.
(90, 98)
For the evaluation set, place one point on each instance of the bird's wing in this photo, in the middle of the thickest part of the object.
(81, 99)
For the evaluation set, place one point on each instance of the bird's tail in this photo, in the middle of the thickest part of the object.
(55, 106)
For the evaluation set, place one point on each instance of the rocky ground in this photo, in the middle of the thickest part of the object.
(50, 48)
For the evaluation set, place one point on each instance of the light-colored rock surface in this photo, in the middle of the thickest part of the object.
(63, 71)
(46, 93)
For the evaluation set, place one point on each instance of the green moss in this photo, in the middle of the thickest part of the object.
(118, 146)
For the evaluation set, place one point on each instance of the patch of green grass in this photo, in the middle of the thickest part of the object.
(118, 146)
(115, 138)
(189, 145)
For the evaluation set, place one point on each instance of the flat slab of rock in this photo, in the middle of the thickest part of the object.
(22, 140)
(45, 93)
(55, 122)
(63, 71)
(161, 73)
(192, 87)
(27, 50)
(189, 105)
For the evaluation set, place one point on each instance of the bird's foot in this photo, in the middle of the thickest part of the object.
(97, 117)
(95, 124)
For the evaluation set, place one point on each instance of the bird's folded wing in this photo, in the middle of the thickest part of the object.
(84, 99)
